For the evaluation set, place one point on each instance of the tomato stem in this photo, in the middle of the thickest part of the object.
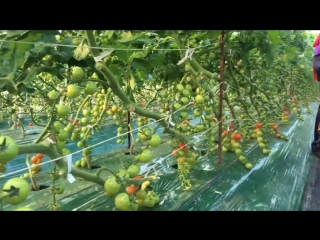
(80, 108)
(33, 182)
(221, 96)
(45, 130)
(54, 200)
(33, 119)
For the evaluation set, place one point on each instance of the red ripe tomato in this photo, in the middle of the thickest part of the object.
(237, 136)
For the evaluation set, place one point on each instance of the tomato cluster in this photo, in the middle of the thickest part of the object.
(35, 167)
(86, 158)
(119, 116)
(231, 143)
(154, 140)
(134, 196)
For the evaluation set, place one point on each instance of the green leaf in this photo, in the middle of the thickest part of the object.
(5, 68)
(274, 37)
(47, 32)
(124, 55)
(109, 33)
(115, 69)
(214, 33)
(27, 88)
(13, 54)
(64, 52)
(48, 39)
(32, 74)
(164, 40)
(138, 66)
(81, 52)
(13, 33)
(130, 39)
(142, 65)
(64, 56)
(140, 54)
(38, 47)
(269, 57)
(23, 45)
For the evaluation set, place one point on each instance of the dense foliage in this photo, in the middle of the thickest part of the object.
(239, 84)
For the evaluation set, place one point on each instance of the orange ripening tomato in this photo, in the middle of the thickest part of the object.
(39, 161)
(40, 155)
(34, 159)
(174, 152)
(131, 189)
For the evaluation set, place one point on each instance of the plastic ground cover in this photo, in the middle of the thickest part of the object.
(276, 183)
(106, 132)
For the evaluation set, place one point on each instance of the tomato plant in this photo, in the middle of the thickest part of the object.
(237, 86)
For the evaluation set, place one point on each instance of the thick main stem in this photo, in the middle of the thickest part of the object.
(221, 97)
(129, 135)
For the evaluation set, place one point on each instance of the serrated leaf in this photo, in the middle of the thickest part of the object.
(142, 65)
(32, 73)
(22, 48)
(124, 55)
(27, 88)
(109, 33)
(12, 33)
(138, 66)
(274, 37)
(215, 33)
(140, 54)
(164, 40)
(47, 32)
(38, 47)
(65, 55)
(81, 52)
(130, 39)
(48, 39)
(115, 69)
